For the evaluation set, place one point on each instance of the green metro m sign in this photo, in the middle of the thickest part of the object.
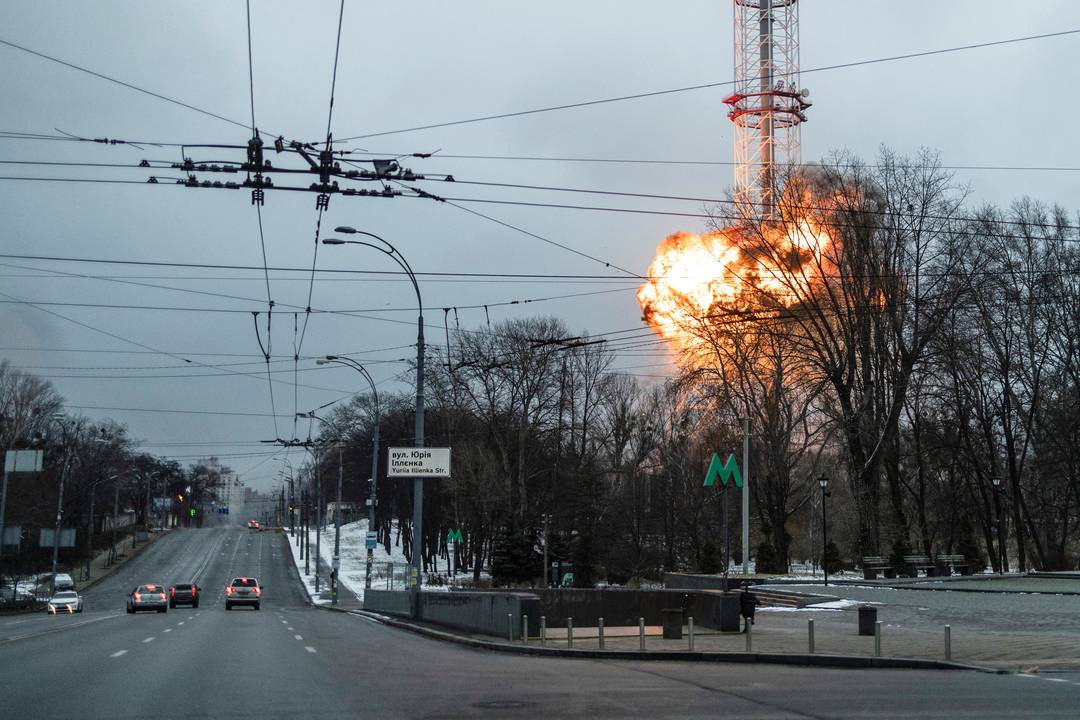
(454, 536)
(725, 471)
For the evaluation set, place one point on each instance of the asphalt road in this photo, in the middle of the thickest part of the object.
(290, 660)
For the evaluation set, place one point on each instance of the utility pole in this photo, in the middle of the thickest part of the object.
(60, 506)
(318, 518)
(746, 496)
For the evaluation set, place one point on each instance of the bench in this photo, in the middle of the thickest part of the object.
(873, 565)
(946, 564)
(920, 562)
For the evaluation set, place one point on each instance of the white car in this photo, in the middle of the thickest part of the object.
(67, 601)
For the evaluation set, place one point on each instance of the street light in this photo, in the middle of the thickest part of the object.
(1001, 538)
(349, 362)
(824, 483)
(418, 483)
(66, 429)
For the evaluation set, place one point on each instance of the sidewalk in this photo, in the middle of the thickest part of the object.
(347, 598)
(101, 569)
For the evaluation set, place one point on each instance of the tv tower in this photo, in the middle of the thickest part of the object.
(768, 104)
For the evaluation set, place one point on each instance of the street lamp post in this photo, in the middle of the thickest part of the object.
(1000, 536)
(418, 483)
(349, 362)
(66, 462)
(823, 482)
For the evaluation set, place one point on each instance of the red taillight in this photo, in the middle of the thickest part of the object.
(193, 590)
(228, 590)
(138, 597)
(172, 592)
(256, 590)
(162, 596)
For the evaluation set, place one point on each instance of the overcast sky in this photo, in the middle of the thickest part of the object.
(166, 366)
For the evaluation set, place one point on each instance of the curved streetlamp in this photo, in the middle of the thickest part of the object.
(418, 482)
(349, 362)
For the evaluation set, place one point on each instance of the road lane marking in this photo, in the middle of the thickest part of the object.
(56, 629)
(118, 653)
(309, 648)
(290, 629)
(298, 637)
(284, 622)
(149, 639)
(181, 622)
(167, 630)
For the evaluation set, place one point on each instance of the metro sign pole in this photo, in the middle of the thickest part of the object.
(724, 471)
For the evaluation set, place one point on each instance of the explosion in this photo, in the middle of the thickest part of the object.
(695, 276)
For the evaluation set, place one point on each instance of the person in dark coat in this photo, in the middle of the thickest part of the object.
(747, 604)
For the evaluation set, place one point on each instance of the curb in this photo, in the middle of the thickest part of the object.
(804, 659)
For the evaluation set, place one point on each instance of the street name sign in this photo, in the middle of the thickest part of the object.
(418, 462)
(371, 540)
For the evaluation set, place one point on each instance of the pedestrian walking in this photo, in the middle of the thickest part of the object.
(747, 604)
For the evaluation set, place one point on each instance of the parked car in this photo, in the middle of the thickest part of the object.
(243, 591)
(184, 594)
(67, 601)
(63, 582)
(150, 596)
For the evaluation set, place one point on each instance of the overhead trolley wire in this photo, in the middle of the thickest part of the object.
(704, 86)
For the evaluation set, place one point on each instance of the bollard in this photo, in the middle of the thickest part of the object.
(510, 627)
(749, 636)
(641, 634)
(525, 629)
(877, 639)
(810, 631)
(543, 631)
(690, 631)
(948, 643)
(600, 629)
(569, 632)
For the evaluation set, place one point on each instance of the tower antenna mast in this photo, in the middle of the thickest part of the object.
(768, 104)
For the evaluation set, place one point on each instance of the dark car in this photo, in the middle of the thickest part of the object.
(243, 591)
(150, 596)
(184, 594)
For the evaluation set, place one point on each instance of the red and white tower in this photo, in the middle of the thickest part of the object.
(768, 104)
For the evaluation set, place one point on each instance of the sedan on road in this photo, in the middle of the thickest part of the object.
(243, 591)
(65, 601)
(150, 596)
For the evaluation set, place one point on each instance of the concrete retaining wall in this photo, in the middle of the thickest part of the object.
(390, 602)
(482, 612)
(625, 606)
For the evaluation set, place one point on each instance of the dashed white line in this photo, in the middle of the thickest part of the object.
(284, 622)
(118, 653)
(290, 629)
(181, 622)
(298, 637)
(167, 630)
(309, 648)
(149, 639)
(1056, 679)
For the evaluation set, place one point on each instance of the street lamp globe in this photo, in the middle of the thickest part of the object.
(996, 481)
(823, 482)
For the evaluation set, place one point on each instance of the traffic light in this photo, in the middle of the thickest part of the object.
(191, 512)
(180, 498)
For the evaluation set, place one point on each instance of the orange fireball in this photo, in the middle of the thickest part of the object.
(694, 278)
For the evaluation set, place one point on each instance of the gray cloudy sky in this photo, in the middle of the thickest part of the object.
(416, 63)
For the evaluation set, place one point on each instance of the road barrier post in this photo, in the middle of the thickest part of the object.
(569, 632)
(690, 631)
(600, 629)
(525, 629)
(510, 627)
(810, 633)
(641, 634)
(948, 643)
(877, 639)
(543, 630)
(749, 636)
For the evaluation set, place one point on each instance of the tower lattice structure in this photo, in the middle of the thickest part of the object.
(768, 104)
